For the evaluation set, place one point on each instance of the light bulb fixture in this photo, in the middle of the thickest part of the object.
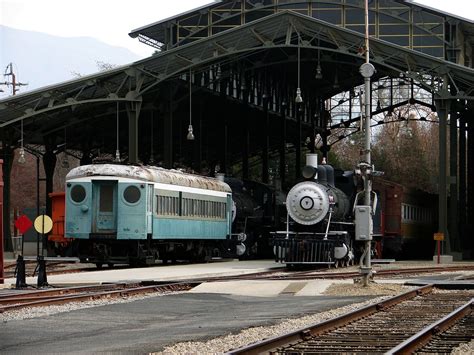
(65, 162)
(336, 81)
(21, 158)
(117, 151)
(151, 161)
(190, 135)
(319, 72)
(298, 98)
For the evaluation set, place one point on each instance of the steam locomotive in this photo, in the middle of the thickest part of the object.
(319, 228)
(259, 210)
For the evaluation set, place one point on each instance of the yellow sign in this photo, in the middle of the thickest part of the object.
(438, 236)
(43, 224)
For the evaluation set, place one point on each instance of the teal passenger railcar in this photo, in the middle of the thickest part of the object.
(139, 214)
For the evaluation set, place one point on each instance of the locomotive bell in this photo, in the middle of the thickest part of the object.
(307, 203)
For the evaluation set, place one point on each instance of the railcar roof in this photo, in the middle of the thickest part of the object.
(149, 174)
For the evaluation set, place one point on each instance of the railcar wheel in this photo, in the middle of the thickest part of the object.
(99, 265)
(110, 265)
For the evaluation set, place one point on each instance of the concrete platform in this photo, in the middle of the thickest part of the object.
(269, 288)
(159, 273)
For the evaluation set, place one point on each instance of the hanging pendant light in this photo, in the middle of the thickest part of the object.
(65, 161)
(336, 81)
(190, 136)
(117, 151)
(319, 71)
(152, 161)
(21, 158)
(298, 98)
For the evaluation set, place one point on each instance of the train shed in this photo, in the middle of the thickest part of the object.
(220, 94)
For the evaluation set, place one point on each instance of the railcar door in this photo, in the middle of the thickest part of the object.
(105, 203)
(149, 208)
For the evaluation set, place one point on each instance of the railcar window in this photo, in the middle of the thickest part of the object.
(78, 193)
(190, 207)
(131, 194)
(106, 202)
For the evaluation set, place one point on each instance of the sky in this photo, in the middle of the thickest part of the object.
(107, 20)
(111, 20)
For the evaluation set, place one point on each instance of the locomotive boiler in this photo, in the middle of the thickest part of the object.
(259, 209)
(319, 222)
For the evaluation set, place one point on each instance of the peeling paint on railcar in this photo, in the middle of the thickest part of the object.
(149, 174)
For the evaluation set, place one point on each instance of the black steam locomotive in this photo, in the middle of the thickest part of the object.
(259, 209)
(319, 228)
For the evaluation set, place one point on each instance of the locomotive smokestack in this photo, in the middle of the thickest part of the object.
(220, 177)
(312, 160)
(310, 171)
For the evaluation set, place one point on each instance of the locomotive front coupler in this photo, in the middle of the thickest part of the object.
(240, 237)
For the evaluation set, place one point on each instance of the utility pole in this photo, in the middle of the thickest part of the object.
(12, 82)
(363, 213)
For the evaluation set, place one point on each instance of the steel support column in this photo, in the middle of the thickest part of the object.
(133, 111)
(245, 142)
(266, 142)
(298, 142)
(442, 108)
(225, 152)
(312, 137)
(49, 165)
(453, 181)
(462, 168)
(282, 146)
(168, 133)
(470, 184)
(7, 154)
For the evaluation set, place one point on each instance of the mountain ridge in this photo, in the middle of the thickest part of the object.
(41, 59)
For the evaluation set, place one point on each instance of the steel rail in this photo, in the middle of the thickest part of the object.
(100, 295)
(424, 336)
(350, 274)
(68, 290)
(268, 345)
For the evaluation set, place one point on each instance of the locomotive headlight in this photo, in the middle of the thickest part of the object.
(307, 203)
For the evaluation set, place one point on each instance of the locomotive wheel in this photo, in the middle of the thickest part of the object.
(99, 265)
(110, 265)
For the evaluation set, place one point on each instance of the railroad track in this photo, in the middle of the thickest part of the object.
(304, 275)
(47, 297)
(400, 324)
